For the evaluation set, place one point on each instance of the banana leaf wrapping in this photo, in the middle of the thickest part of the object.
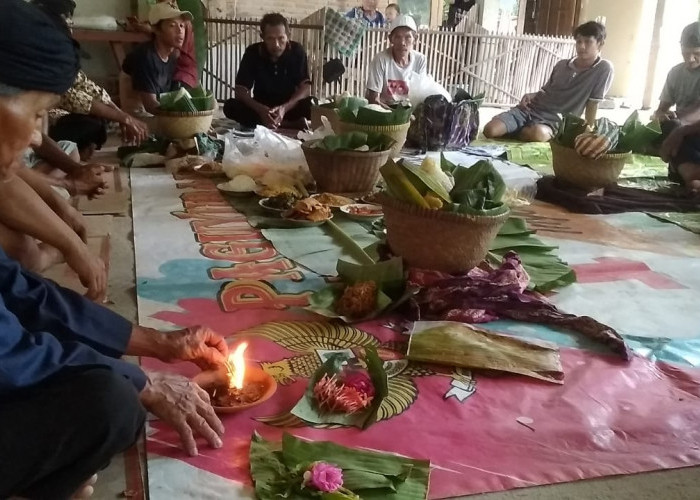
(636, 137)
(478, 190)
(481, 296)
(187, 101)
(631, 136)
(349, 112)
(353, 141)
(277, 470)
(309, 410)
(467, 346)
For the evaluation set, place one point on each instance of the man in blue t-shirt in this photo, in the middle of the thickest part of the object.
(152, 65)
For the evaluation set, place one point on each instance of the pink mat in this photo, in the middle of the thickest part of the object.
(608, 418)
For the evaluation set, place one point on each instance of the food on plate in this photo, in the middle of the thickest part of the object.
(239, 184)
(332, 200)
(309, 209)
(283, 201)
(358, 300)
(272, 191)
(365, 210)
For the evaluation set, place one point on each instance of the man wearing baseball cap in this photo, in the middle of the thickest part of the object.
(151, 65)
(391, 69)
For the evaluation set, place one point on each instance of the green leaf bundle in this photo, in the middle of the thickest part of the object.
(277, 470)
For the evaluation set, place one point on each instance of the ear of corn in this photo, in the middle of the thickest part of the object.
(400, 185)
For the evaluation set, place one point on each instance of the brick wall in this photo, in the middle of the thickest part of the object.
(296, 9)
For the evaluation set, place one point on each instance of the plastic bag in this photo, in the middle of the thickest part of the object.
(319, 133)
(267, 154)
(421, 86)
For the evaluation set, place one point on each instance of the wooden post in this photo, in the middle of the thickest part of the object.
(648, 98)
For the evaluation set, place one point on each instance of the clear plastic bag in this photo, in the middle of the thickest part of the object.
(267, 154)
(420, 87)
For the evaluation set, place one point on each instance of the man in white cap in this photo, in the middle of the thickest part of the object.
(152, 65)
(391, 69)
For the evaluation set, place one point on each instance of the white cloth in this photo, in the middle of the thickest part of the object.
(390, 79)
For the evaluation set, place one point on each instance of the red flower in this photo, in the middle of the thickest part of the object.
(337, 397)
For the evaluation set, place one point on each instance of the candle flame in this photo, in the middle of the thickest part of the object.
(236, 364)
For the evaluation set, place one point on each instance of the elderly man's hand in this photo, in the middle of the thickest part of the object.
(91, 270)
(88, 181)
(184, 405)
(200, 345)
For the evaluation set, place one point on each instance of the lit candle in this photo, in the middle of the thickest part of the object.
(236, 367)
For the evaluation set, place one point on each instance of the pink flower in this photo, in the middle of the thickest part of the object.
(324, 477)
(359, 381)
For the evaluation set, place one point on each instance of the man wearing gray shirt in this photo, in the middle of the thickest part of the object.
(682, 87)
(572, 84)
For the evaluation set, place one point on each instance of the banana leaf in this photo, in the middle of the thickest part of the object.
(478, 190)
(547, 271)
(308, 410)
(323, 302)
(387, 274)
(399, 115)
(353, 140)
(351, 103)
(187, 101)
(468, 346)
(277, 471)
(636, 137)
(572, 126)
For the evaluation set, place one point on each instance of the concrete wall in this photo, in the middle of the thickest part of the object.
(101, 65)
(630, 24)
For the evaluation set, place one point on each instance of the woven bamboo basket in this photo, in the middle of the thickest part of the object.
(586, 173)
(396, 132)
(331, 113)
(183, 125)
(437, 240)
(344, 171)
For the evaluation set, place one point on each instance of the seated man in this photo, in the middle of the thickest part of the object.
(152, 65)
(368, 13)
(681, 142)
(82, 114)
(273, 87)
(68, 403)
(390, 71)
(572, 84)
(682, 88)
(191, 58)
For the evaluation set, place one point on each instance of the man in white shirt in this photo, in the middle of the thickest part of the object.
(391, 69)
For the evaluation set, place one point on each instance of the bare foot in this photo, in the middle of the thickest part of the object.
(86, 490)
(46, 257)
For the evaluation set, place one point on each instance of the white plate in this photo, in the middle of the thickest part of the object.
(375, 208)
